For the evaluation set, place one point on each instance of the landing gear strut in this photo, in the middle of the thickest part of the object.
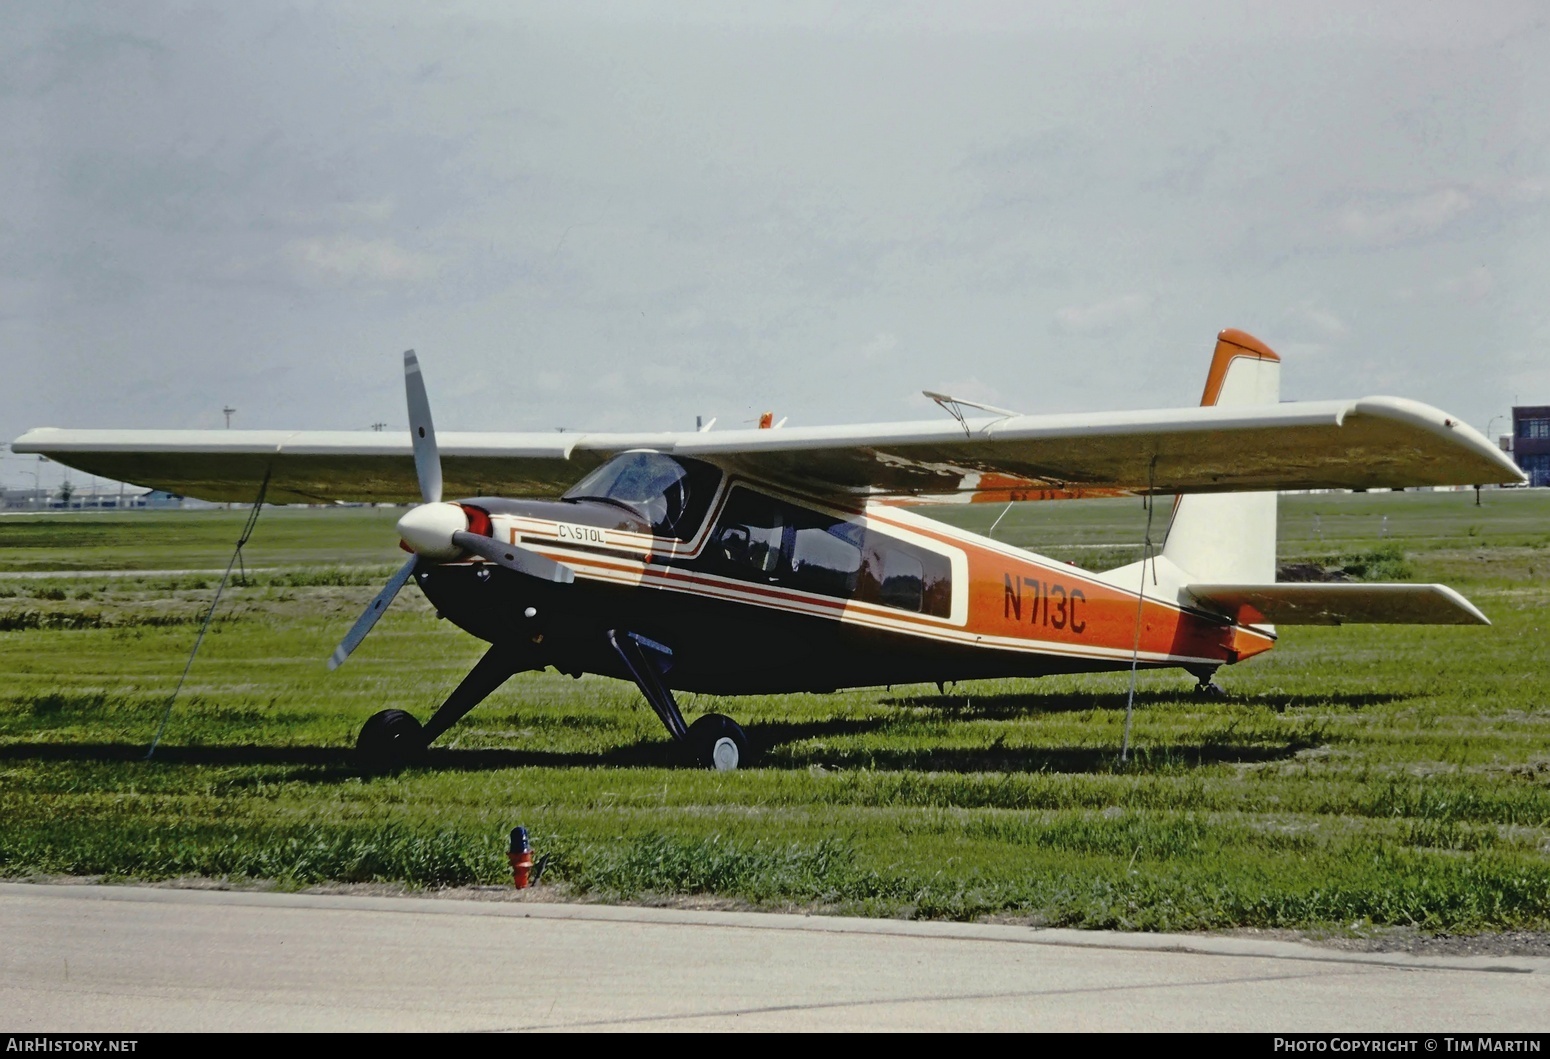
(393, 739)
(717, 742)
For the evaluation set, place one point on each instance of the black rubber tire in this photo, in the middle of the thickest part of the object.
(389, 740)
(718, 742)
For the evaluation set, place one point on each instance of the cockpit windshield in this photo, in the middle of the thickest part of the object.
(672, 494)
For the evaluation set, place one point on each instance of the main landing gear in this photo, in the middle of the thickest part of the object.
(717, 742)
(390, 739)
(393, 739)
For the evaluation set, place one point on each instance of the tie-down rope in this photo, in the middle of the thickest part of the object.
(236, 556)
(1146, 558)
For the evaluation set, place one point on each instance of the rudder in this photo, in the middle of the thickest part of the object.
(1230, 537)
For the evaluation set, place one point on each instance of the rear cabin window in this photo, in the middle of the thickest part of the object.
(901, 579)
(770, 541)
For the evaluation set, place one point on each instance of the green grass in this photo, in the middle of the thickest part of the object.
(184, 540)
(1369, 776)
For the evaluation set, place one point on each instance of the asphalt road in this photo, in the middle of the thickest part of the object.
(125, 959)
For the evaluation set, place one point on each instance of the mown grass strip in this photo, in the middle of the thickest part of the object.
(1391, 776)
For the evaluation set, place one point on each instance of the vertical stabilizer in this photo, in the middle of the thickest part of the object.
(1230, 538)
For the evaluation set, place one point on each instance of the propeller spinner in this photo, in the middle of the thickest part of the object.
(438, 531)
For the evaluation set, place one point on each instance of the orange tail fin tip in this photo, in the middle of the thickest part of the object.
(1230, 345)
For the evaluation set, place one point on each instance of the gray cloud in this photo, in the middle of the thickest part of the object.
(1103, 316)
(1413, 217)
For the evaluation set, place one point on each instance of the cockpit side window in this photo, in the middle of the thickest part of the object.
(671, 493)
(761, 539)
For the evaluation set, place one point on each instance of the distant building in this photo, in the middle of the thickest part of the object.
(79, 500)
(1531, 442)
(24, 499)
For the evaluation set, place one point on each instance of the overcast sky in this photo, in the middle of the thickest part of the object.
(621, 216)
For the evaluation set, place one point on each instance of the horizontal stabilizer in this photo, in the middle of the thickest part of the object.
(1323, 603)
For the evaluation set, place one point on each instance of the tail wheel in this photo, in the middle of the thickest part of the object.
(389, 740)
(719, 743)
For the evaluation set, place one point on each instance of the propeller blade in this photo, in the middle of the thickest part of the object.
(514, 557)
(368, 618)
(427, 458)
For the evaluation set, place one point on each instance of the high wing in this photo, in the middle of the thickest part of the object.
(323, 466)
(1372, 442)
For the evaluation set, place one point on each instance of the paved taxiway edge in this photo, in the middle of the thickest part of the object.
(506, 906)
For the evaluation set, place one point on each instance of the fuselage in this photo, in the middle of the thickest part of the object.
(757, 589)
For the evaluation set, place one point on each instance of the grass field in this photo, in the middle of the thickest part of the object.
(1356, 778)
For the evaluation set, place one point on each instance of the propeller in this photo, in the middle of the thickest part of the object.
(363, 624)
(422, 433)
(437, 531)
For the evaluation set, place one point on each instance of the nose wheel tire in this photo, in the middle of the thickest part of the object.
(719, 743)
(389, 740)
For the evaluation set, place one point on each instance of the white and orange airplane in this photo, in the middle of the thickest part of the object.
(778, 560)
